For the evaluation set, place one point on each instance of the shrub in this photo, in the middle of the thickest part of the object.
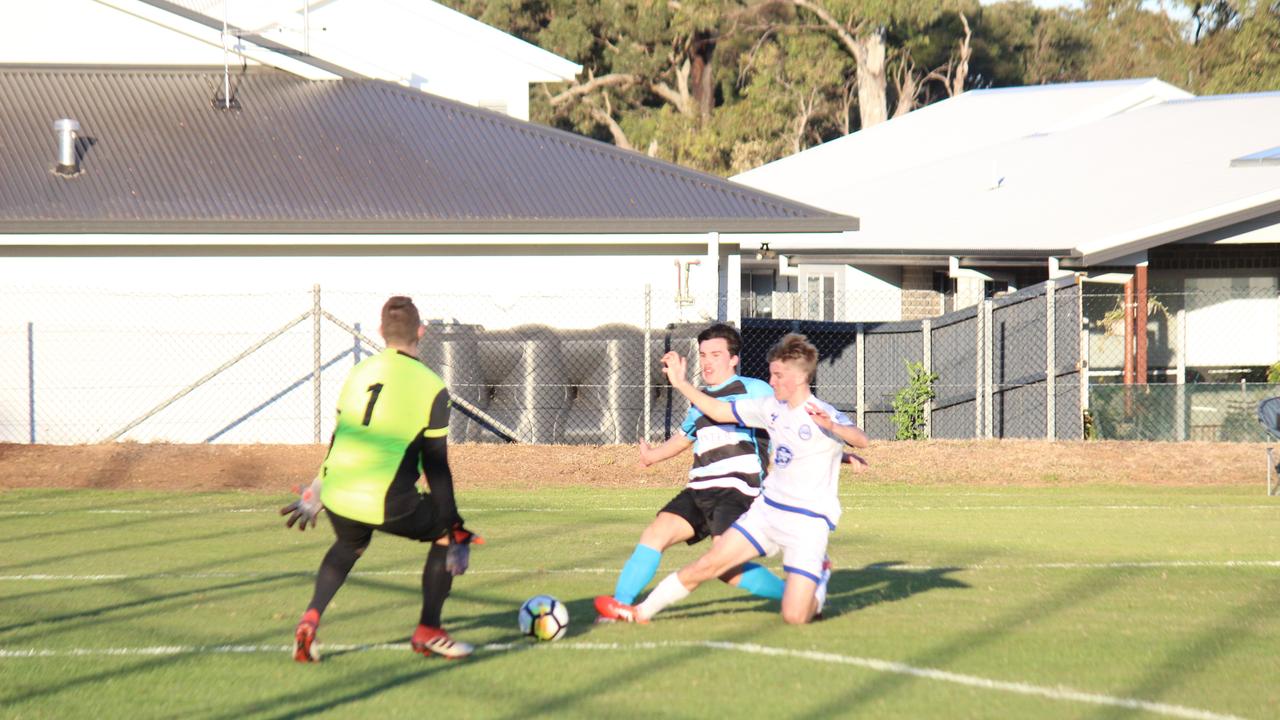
(910, 402)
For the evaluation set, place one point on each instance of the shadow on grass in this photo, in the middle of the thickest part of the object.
(974, 642)
(1238, 624)
(849, 590)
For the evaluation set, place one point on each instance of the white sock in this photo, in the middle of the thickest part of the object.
(669, 591)
(820, 594)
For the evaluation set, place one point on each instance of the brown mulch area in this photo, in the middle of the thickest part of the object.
(275, 468)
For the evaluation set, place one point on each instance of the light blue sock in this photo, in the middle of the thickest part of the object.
(761, 582)
(637, 573)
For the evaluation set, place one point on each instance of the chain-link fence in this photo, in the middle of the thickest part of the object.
(1191, 363)
(1008, 367)
(90, 366)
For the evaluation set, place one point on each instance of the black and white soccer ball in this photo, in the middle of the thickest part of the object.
(543, 617)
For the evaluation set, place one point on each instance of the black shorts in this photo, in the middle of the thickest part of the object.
(422, 524)
(710, 512)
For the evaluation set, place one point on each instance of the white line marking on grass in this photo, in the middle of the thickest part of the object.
(1135, 565)
(852, 507)
(298, 573)
(1060, 692)
(969, 508)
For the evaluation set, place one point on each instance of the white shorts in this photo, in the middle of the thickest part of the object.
(801, 538)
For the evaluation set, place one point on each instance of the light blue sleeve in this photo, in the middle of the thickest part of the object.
(690, 422)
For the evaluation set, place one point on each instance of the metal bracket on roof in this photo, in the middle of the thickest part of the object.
(1056, 271)
(1108, 278)
(785, 268)
(955, 271)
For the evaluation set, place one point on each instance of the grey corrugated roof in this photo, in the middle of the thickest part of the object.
(344, 156)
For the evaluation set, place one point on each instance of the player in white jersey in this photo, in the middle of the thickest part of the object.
(798, 507)
(728, 467)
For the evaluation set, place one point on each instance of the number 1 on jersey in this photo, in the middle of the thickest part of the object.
(374, 389)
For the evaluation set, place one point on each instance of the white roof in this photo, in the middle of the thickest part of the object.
(971, 120)
(392, 40)
(1094, 190)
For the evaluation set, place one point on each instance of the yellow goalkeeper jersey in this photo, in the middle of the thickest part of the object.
(390, 403)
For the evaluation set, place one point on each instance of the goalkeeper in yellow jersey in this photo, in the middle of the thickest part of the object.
(393, 425)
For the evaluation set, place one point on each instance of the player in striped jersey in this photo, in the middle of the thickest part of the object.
(799, 506)
(729, 462)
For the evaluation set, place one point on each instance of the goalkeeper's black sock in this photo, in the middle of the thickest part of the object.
(334, 569)
(436, 583)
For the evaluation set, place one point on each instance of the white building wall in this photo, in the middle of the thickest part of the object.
(872, 293)
(115, 332)
(81, 32)
(1232, 321)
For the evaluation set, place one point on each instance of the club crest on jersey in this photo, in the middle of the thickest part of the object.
(804, 432)
(782, 457)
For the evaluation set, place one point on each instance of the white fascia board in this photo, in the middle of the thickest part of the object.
(289, 240)
(214, 37)
(1109, 248)
(842, 242)
(546, 62)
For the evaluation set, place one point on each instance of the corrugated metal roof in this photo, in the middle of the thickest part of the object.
(335, 156)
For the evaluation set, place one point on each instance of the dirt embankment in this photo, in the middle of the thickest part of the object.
(275, 468)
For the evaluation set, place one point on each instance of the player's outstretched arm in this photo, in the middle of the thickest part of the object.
(654, 454)
(850, 434)
(677, 370)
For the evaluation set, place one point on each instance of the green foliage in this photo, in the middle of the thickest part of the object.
(727, 85)
(910, 403)
(1273, 373)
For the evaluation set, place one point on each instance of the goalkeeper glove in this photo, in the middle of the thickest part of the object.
(458, 558)
(306, 509)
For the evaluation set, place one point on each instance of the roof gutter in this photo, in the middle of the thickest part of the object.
(518, 226)
(1104, 250)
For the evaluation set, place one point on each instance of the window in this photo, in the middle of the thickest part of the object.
(820, 297)
(1270, 156)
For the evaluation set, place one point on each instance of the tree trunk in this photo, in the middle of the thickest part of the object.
(906, 83)
(962, 62)
(702, 50)
(873, 105)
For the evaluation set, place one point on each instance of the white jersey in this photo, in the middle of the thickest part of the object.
(806, 458)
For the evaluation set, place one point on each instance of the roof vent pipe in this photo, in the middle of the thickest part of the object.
(66, 129)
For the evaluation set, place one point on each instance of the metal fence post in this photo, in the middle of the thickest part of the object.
(1270, 468)
(1180, 406)
(315, 360)
(926, 335)
(31, 382)
(860, 385)
(1082, 366)
(1051, 361)
(644, 363)
(978, 335)
(988, 376)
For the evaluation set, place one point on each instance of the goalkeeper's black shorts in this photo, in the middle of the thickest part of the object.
(423, 524)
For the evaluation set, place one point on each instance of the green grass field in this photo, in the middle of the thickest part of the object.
(947, 602)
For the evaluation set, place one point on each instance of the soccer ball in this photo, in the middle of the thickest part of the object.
(543, 617)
